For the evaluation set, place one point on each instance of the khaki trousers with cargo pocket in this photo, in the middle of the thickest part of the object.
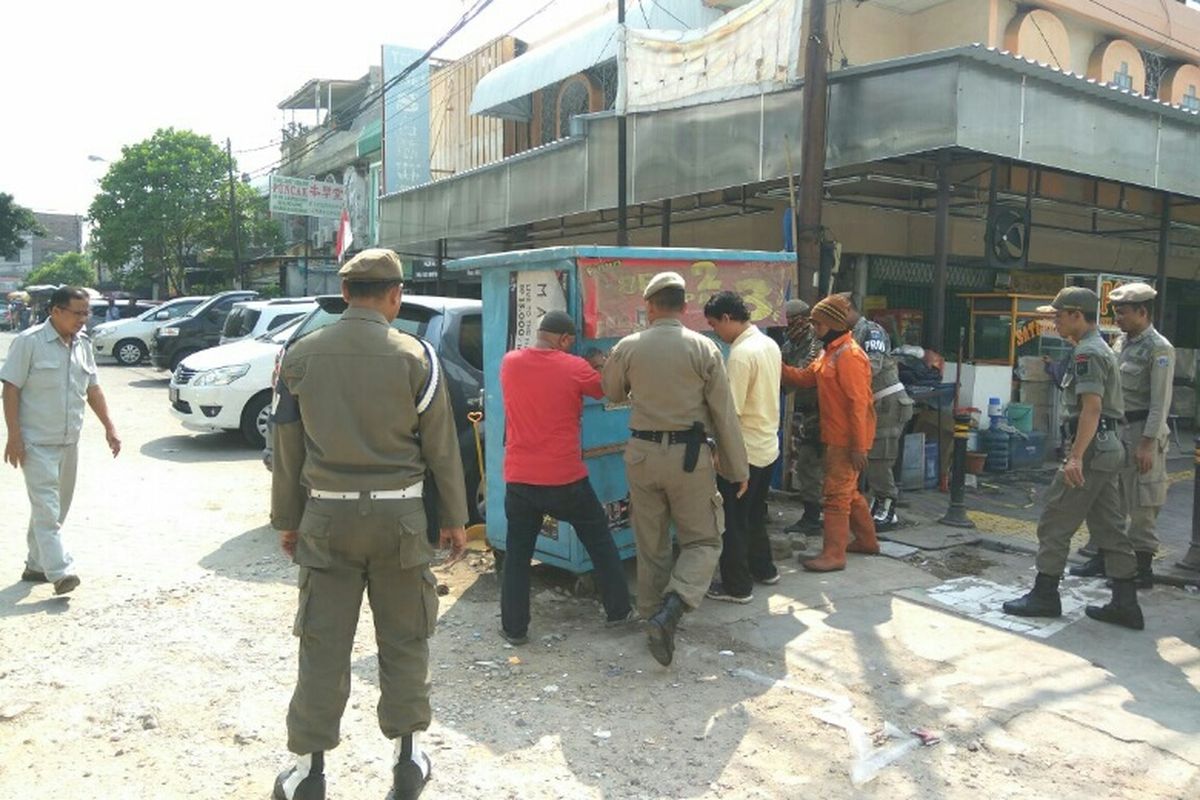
(660, 493)
(1098, 501)
(344, 547)
(1145, 495)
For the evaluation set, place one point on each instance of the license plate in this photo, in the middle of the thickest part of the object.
(173, 395)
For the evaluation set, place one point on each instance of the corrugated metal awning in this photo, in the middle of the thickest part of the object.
(972, 99)
(506, 91)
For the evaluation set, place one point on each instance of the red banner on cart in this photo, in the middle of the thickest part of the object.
(612, 291)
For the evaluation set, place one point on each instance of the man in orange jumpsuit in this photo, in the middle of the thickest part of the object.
(842, 375)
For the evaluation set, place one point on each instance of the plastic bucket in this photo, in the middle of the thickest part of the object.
(1020, 416)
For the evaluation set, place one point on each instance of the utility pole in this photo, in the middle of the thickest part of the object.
(622, 134)
(812, 166)
(941, 250)
(233, 217)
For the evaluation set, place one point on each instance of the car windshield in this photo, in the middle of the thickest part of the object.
(280, 335)
(412, 319)
(174, 310)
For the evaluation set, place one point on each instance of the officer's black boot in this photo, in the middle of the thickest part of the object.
(661, 628)
(1042, 601)
(811, 521)
(1092, 568)
(1145, 570)
(409, 774)
(1123, 609)
(304, 780)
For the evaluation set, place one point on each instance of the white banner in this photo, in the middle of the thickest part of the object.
(307, 197)
(531, 294)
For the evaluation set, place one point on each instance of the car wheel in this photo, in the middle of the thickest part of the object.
(254, 419)
(129, 352)
(179, 357)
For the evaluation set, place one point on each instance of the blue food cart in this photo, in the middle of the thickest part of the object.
(601, 287)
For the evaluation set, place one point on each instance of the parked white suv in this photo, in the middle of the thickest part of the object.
(228, 387)
(128, 340)
(252, 318)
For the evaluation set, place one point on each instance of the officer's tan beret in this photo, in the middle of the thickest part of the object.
(1132, 293)
(663, 280)
(795, 308)
(1072, 298)
(376, 264)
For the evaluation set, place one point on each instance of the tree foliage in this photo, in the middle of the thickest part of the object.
(16, 222)
(159, 207)
(257, 234)
(73, 269)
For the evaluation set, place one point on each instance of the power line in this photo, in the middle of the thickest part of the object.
(1167, 36)
(410, 96)
(667, 12)
(367, 101)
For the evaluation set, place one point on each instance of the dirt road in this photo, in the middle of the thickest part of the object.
(167, 673)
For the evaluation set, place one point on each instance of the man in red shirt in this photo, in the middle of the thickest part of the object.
(544, 474)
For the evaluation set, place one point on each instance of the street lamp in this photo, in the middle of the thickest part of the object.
(99, 267)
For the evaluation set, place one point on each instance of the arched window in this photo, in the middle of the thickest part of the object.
(578, 94)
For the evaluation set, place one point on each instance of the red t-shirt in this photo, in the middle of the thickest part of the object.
(543, 401)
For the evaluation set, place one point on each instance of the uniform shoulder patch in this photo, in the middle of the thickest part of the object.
(1162, 361)
(1082, 363)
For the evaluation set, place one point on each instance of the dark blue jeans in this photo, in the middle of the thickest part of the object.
(746, 549)
(526, 505)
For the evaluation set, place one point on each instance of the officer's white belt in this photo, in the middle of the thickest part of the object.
(893, 389)
(411, 493)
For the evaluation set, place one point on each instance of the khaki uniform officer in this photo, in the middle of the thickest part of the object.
(801, 348)
(1087, 485)
(1147, 363)
(362, 414)
(893, 410)
(675, 379)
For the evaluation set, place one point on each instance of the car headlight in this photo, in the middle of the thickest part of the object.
(168, 331)
(222, 376)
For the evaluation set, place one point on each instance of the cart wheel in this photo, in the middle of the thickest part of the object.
(584, 586)
(499, 556)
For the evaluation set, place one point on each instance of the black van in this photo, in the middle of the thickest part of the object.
(201, 328)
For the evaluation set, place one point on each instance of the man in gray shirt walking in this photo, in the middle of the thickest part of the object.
(49, 374)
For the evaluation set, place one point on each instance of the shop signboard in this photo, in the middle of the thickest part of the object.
(307, 197)
(1102, 283)
(612, 291)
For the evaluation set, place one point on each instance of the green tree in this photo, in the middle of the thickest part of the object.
(257, 233)
(154, 216)
(73, 269)
(16, 222)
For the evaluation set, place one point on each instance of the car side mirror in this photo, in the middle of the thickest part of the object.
(163, 315)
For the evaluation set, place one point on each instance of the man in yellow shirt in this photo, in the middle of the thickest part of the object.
(753, 367)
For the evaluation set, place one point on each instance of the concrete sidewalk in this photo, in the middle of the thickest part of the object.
(1005, 508)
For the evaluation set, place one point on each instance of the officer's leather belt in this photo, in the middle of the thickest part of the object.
(1105, 424)
(672, 437)
(1137, 416)
(411, 493)
(893, 389)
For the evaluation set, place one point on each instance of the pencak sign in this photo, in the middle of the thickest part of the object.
(307, 197)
